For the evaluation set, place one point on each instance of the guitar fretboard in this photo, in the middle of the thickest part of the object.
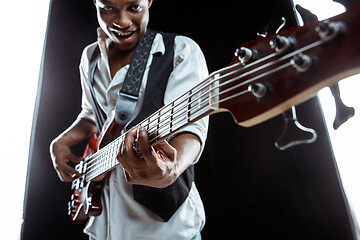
(167, 121)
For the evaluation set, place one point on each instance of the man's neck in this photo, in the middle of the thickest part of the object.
(118, 58)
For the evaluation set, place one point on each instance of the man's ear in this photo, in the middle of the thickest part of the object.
(94, 2)
(149, 2)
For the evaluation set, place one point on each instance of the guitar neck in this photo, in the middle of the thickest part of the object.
(186, 109)
(267, 77)
(164, 123)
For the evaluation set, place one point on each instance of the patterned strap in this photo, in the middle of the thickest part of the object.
(129, 93)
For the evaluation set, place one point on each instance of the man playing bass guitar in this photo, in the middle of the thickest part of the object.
(123, 23)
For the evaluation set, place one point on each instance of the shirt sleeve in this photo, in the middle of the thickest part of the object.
(189, 70)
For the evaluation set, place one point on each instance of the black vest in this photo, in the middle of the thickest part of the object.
(162, 201)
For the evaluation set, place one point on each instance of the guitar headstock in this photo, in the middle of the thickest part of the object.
(270, 75)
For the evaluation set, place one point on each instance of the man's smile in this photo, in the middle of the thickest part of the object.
(123, 34)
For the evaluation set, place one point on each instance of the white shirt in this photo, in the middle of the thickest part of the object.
(122, 217)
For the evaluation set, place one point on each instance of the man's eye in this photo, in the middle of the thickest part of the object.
(137, 8)
(107, 8)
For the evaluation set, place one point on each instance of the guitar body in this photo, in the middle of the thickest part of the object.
(86, 199)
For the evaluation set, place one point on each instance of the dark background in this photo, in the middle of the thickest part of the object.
(250, 189)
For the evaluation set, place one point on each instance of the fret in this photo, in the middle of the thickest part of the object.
(152, 126)
(102, 168)
(148, 124)
(158, 122)
(106, 167)
(115, 152)
(145, 124)
(180, 110)
(171, 116)
(189, 107)
(164, 121)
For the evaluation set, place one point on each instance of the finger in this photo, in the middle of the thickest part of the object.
(130, 161)
(127, 151)
(127, 147)
(130, 174)
(127, 176)
(130, 178)
(146, 149)
(70, 171)
(64, 177)
(124, 163)
(74, 158)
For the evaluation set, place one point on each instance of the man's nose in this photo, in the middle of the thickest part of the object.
(123, 21)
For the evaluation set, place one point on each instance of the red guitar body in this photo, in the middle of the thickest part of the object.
(86, 199)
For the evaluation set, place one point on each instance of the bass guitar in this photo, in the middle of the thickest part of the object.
(266, 77)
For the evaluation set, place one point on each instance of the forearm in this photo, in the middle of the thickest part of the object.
(188, 148)
(80, 130)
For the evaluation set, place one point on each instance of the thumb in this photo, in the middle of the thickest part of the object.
(74, 158)
(166, 150)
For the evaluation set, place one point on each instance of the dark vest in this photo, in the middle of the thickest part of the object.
(162, 201)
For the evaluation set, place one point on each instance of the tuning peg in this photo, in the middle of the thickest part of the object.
(343, 112)
(246, 55)
(330, 31)
(294, 133)
(282, 44)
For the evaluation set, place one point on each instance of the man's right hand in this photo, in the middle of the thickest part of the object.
(61, 154)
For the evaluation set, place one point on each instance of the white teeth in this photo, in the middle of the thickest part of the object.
(123, 34)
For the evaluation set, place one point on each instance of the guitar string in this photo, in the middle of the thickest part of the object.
(228, 90)
(175, 116)
(152, 116)
(100, 166)
(234, 66)
(206, 85)
(223, 92)
(228, 82)
(98, 169)
(162, 122)
(241, 76)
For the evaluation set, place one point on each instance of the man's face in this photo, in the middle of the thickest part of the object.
(123, 21)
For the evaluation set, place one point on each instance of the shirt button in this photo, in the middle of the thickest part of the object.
(115, 183)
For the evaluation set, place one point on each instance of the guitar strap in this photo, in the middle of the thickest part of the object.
(129, 93)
